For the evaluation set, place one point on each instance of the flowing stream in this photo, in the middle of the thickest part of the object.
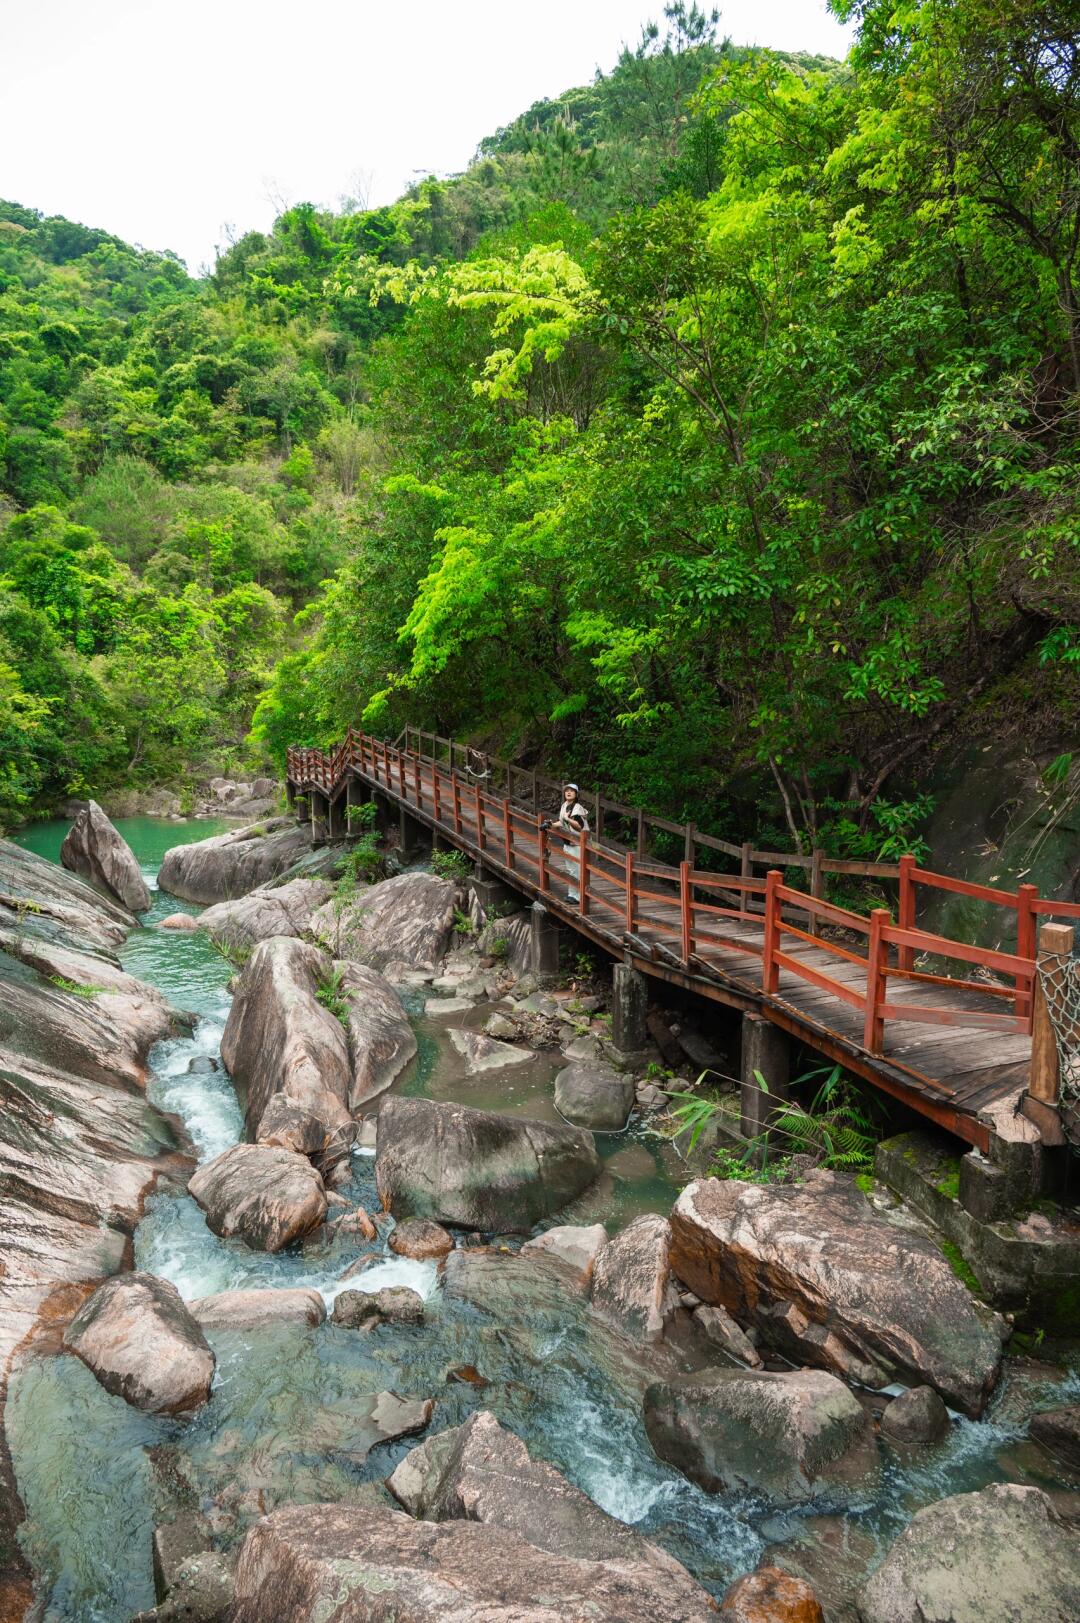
(288, 1415)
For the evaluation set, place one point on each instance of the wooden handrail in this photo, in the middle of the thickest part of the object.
(619, 882)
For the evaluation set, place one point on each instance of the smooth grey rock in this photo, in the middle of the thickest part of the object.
(258, 1309)
(49, 903)
(793, 1437)
(482, 1053)
(915, 1417)
(632, 1282)
(358, 1563)
(828, 1280)
(998, 1556)
(279, 910)
(475, 1168)
(93, 848)
(418, 1237)
(366, 1310)
(140, 1342)
(594, 1096)
(230, 865)
(265, 1196)
(408, 920)
(381, 1039)
(1058, 1431)
(718, 1327)
(500, 1027)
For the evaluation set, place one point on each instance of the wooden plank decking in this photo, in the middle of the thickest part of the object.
(938, 1058)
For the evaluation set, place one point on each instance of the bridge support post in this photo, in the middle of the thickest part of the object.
(337, 821)
(545, 939)
(490, 891)
(415, 836)
(767, 1049)
(290, 797)
(356, 794)
(629, 1006)
(320, 812)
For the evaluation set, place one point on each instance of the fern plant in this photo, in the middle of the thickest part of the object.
(330, 995)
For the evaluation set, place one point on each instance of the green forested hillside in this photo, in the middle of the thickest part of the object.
(715, 435)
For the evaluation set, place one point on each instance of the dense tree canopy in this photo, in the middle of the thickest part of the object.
(715, 432)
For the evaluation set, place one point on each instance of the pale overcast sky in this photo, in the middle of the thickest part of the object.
(169, 124)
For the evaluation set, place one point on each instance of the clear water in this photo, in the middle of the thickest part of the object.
(289, 1418)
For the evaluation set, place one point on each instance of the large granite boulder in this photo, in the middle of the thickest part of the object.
(277, 910)
(258, 1309)
(793, 1437)
(998, 1556)
(771, 1596)
(355, 1564)
(41, 899)
(830, 1282)
(381, 1040)
(1058, 1431)
(594, 1096)
(480, 1472)
(632, 1282)
(476, 1168)
(282, 1046)
(94, 849)
(406, 922)
(229, 865)
(262, 1195)
(303, 1073)
(142, 1344)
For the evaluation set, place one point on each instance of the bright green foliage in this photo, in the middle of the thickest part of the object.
(712, 437)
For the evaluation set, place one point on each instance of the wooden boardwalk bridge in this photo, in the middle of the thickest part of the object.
(942, 1025)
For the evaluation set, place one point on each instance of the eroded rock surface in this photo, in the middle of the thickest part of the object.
(232, 864)
(475, 1168)
(794, 1437)
(483, 1053)
(999, 1556)
(572, 1247)
(359, 1565)
(771, 1596)
(94, 849)
(418, 1237)
(481, 1472)
(262, 1195)
(828, 1281)
(279, 910)
(381, 1040)
(142, 1344)
(258, 1309)
(407, 921)
(632, 1282)
(915, 1417)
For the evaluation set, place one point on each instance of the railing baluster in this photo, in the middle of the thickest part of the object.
(480, 819)
(583, 874)
(629, 882)
(541, 834)
(877, 955)
(905, 956)
(770, 969)
(1026, 895)
(455, 789)
(684, 903)
(508, 838)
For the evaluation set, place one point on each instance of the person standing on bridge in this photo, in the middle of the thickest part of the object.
(573, 821)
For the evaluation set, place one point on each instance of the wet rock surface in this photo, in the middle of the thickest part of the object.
(999, 1556)
(366, 1310)
(1058, 1431)
(230, 865)
(475, 1168)
(285, 909)
(483, 1053)
(794, 1437)
(421, 1239)
(482, 1472)
(771, 1596)
(407, 921)
(830, 1282)
(594, 1096)
(265, 1196)
(915, 1418)
(94, 849)
(258, 1309)
(142, 1344)
(572, 1247)
(632, 1282)
(381, 1040)
(354, 1565)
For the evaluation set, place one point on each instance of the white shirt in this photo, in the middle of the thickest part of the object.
(573, 808)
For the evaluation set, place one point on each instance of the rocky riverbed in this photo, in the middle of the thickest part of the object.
(409, 1306)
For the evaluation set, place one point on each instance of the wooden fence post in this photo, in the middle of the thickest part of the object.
(688, 845)
(877, 953)
(640, 835)
(746, 871)
(817, 885)
(1045, 1081)
(583, 874)
(436, 810)
(455, 790)
(770, 969)
(629, 880)
(684, 907)
(1026, 929)
(479, 818)
(541, 835)
(905, 956)
(508, 837)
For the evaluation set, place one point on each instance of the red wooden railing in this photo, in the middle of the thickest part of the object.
(621, 894)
